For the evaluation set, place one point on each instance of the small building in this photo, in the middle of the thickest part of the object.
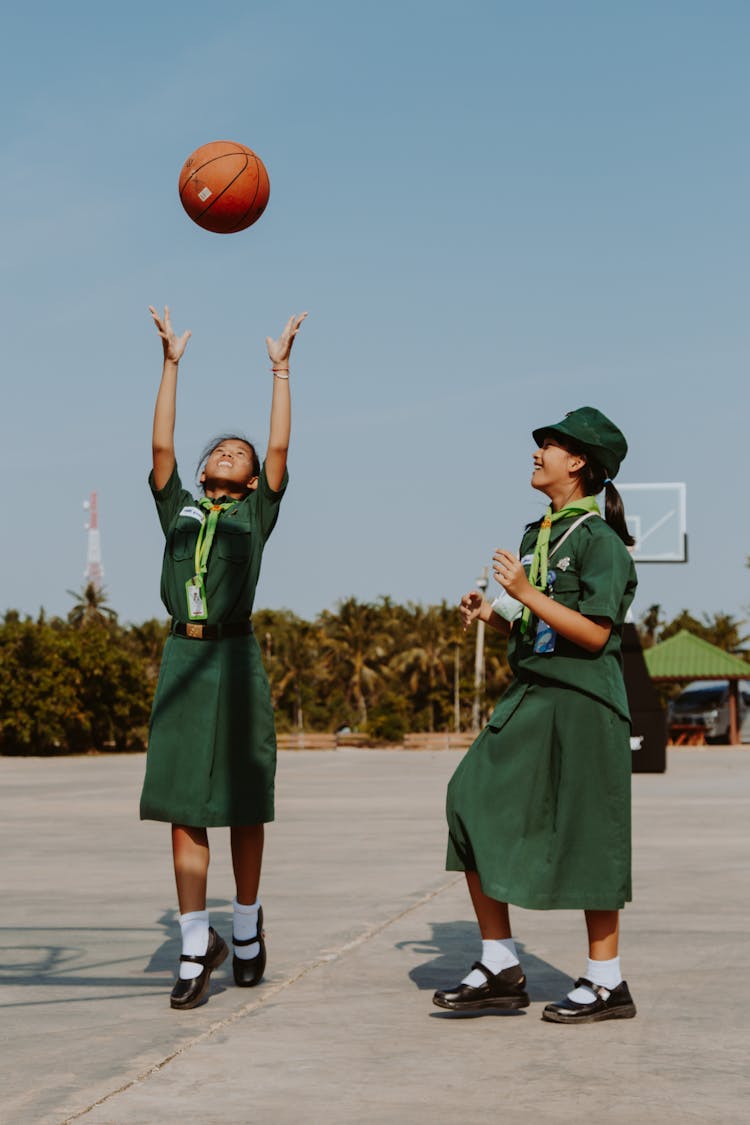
(685, 658)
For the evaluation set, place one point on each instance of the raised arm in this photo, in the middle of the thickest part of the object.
(162, 441)
(281, 415)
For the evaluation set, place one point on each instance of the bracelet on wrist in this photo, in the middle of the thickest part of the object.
(281, 372)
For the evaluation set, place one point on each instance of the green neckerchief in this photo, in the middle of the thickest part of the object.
(538, 571)
(208, 530)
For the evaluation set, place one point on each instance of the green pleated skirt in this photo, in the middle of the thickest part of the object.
(539, 806)
(212, 744)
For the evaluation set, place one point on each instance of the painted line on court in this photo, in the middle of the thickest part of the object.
(273, 990)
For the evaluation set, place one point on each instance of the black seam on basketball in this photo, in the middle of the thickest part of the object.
(216, 198)
(205, 164)
(226, 186)
(237, 225)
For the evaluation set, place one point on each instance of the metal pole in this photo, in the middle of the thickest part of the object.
(481, 584)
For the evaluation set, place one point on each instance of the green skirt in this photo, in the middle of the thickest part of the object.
(212, 745)
(539, 806)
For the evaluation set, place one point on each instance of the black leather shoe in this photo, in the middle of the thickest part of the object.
(248, 972)
(506, 989)
(616, 1004)
(190, 993)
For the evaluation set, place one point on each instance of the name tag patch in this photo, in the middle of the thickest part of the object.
(193, 513)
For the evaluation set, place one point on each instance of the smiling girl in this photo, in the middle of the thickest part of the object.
(212, 746)
(539, 807)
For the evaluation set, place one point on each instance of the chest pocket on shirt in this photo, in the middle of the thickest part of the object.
(232, 543)
(567, 589)
(182, 538)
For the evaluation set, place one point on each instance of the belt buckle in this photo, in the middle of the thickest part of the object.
(192, 629)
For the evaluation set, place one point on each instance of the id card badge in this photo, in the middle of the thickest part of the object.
(196, 598)
(545, 638)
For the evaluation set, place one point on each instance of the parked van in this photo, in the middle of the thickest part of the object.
(704, 706)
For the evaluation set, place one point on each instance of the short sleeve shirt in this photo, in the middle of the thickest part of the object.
(236, 552)
(594, 574)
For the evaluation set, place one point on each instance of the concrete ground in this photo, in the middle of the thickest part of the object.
(362, 925)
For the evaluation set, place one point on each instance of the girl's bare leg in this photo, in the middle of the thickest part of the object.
(247, 858)
(492, 915)
(604, 930)
(191, 856)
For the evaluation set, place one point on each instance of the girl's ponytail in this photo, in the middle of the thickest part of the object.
(595, 479)
(614, 513)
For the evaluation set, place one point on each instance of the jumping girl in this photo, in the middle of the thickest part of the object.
(212, 746)
(539, 807)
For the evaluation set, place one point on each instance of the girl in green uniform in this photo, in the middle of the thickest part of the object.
(539, 807)
(212, 746)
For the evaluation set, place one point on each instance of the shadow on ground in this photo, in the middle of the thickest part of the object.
(453, 948)
(84, 959)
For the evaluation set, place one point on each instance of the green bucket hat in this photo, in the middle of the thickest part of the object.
(591, 432)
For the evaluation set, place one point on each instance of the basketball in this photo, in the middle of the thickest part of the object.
(224, 187)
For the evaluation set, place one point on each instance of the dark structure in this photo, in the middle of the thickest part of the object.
(649, 733)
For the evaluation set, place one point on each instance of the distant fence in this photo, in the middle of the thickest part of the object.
(419, 740)
(438, 740)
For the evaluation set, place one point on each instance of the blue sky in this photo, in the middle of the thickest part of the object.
(494, 212)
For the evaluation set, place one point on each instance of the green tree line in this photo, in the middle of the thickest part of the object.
(86, 682)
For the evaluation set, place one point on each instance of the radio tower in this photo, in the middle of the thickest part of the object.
(94, 571)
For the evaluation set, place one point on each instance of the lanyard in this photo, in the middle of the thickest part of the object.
(539, 563)
(208, 530)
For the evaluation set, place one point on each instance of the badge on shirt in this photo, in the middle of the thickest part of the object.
(545, 638)
(196, 598)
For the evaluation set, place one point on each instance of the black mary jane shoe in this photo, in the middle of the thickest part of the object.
(190, 993)
(248, 972)
(506, 989)
(614, 1004)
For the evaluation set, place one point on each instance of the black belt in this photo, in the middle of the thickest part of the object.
(197, 631)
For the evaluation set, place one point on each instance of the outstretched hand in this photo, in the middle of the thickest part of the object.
(173, 345)
(278, 350)
(470, 608)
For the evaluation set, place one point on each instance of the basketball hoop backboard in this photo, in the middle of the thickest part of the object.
(656, 516)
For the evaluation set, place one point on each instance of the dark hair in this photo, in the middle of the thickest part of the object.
(594, 478)
(254, 459)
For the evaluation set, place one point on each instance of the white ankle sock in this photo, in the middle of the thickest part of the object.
(244, 926)
(194, 927)
(496, 955)
(605, 973)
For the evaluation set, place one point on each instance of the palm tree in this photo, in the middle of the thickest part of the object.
(355, 647)
(290, 654)
(649, 625)
(91, 607)
(723, 630)
(427, 660)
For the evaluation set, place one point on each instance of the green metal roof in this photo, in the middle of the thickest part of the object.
(687, 657)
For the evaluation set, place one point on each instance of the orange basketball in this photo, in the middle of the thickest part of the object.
(224, 187)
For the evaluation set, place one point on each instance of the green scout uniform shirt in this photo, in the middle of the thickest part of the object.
(235, 558)
(595, 575)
